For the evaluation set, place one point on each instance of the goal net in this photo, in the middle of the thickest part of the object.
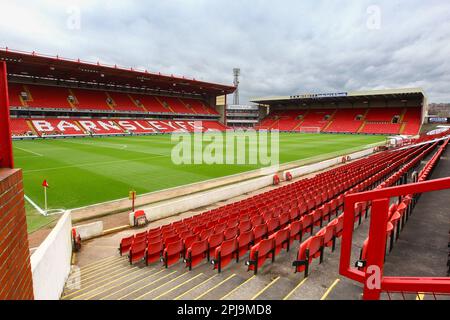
(310, 129)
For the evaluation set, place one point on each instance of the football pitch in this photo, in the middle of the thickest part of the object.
(87, 171)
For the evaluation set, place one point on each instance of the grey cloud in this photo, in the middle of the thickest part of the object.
(282, 47)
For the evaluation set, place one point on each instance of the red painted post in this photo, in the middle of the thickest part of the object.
(376, 249)
(6, 155)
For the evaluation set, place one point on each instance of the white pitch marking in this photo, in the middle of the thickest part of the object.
(35, 206)
(32, 152)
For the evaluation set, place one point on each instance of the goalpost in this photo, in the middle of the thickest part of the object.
(309, 129)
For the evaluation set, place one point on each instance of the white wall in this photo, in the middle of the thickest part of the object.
(50, 263)
(90, 230)
(300, 171)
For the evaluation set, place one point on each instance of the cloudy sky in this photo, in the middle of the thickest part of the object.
(282, 47)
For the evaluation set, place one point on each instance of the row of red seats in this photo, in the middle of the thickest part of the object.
(378, 120)
(314, 246)
(273, 205)
(399, 213)
(381, 128)
(41, 96)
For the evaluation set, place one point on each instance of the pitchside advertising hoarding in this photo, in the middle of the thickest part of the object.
(69, 126)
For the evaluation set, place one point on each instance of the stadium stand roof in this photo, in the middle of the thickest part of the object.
(33, 66)
(354, 96)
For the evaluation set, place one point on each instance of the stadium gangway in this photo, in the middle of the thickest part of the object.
(376, 246)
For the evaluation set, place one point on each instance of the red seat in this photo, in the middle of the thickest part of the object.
(339, 225)
(309, 249)
(328, 234)
(257, 220)
(295, 231)
(172, 253)
(259, 253)
(205, 234)
(172, 239)
(232, 223)
(231, 233)
(307, 223)
(326, 211)
(142, 236)
(154, 239)
(273, 225)
(259, 232)
(293, 214)
(198, 229)
(196, 253)
(188, 241)
(125, 245)
(185, 234)
(284, 219)
(281, 240)
(244, 240)
(169, 234)
(154, 251)
(224, 254)
(267, 216)
(154, 233)
(245, 226)
(317, 217)
(220, 228)
(213, 242)
(137, 251)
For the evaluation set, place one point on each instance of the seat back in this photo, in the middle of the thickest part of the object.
(281, 240)
(272, 225)
(244, 241)
(172, 252)
(245, 226)
(196, 253)
(125, 244)
(231, 233)
(284, 219)
(225, 253)
(137, 251)
(220, 228)
(171, 239)
(154, 251)
(328, 233)
(214, 241)
(259, 253)
(205, 234)
(257, 220)
(259, 232)
(295, 231)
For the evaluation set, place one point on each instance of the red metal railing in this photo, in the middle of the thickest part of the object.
(377, 244)
(6, 156)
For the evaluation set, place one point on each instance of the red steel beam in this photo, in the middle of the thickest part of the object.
(6, 155)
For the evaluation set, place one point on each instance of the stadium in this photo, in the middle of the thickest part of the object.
(310, 196)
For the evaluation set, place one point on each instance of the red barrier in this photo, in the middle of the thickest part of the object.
(376, 245)
(6, 154)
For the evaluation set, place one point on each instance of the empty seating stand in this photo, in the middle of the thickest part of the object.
(269, 223)
(376, 120)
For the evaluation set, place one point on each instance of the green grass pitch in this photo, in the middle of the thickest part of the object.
(86, 171)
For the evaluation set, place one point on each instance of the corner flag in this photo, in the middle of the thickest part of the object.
(46, 186)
